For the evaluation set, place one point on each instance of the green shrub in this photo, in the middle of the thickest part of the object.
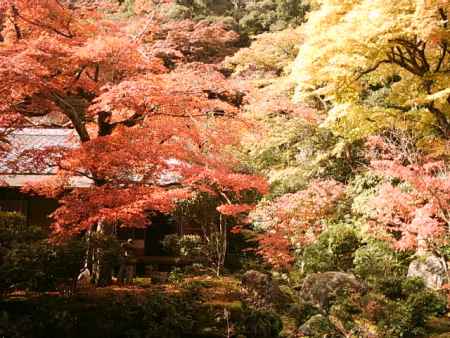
(25, 255)
(382, 268)
(184, 245)
(40, 266)
(13, 229)
(422, 301)
(302, 311)
(394, 319)
(67, 261)
(176, 275)
(8, 219)
(261, 324)
(30, 262)
(171, 245)
(333, 251)
(25, 266)
(143, 315)
(405, 316)
(148, 315)
(398, 306)
(195, 269)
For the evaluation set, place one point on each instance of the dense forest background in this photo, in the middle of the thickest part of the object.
(309, 140)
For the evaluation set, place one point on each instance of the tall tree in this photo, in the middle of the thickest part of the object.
(148, 137)
(375, 64)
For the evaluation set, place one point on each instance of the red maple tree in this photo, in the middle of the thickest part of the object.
(296, 219)
(414, 207)
(148, 137)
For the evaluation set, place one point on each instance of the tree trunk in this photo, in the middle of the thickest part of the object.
(101, 273)
(444, 124)
(221, 245)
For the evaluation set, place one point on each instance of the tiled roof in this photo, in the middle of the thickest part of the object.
(29, 139)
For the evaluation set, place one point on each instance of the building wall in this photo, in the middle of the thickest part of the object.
(35, 209)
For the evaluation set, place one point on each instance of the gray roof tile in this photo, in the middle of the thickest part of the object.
(23, 142)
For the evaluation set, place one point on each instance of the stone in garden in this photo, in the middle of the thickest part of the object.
(264, 286)
(319, 326)
(432, 269)
(322, 288)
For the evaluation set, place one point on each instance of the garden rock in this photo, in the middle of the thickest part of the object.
(256, 280)
(319, 326)
(264, 287)
(322, 288)
(431, 269)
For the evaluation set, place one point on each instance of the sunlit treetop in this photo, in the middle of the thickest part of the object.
(56, 60)
(189, 41)
(269, 52)
(374, 64)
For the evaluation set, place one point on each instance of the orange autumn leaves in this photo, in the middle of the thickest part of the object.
(415, 210)
(295, 219)
(148, 135)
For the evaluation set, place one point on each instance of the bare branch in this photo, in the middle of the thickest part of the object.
(444, 47)
(372, 69)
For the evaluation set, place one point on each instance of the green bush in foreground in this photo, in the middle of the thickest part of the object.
(134, 315)
(30, 262)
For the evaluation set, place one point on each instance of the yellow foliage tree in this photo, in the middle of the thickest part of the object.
(269, 52)
(374, 64)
